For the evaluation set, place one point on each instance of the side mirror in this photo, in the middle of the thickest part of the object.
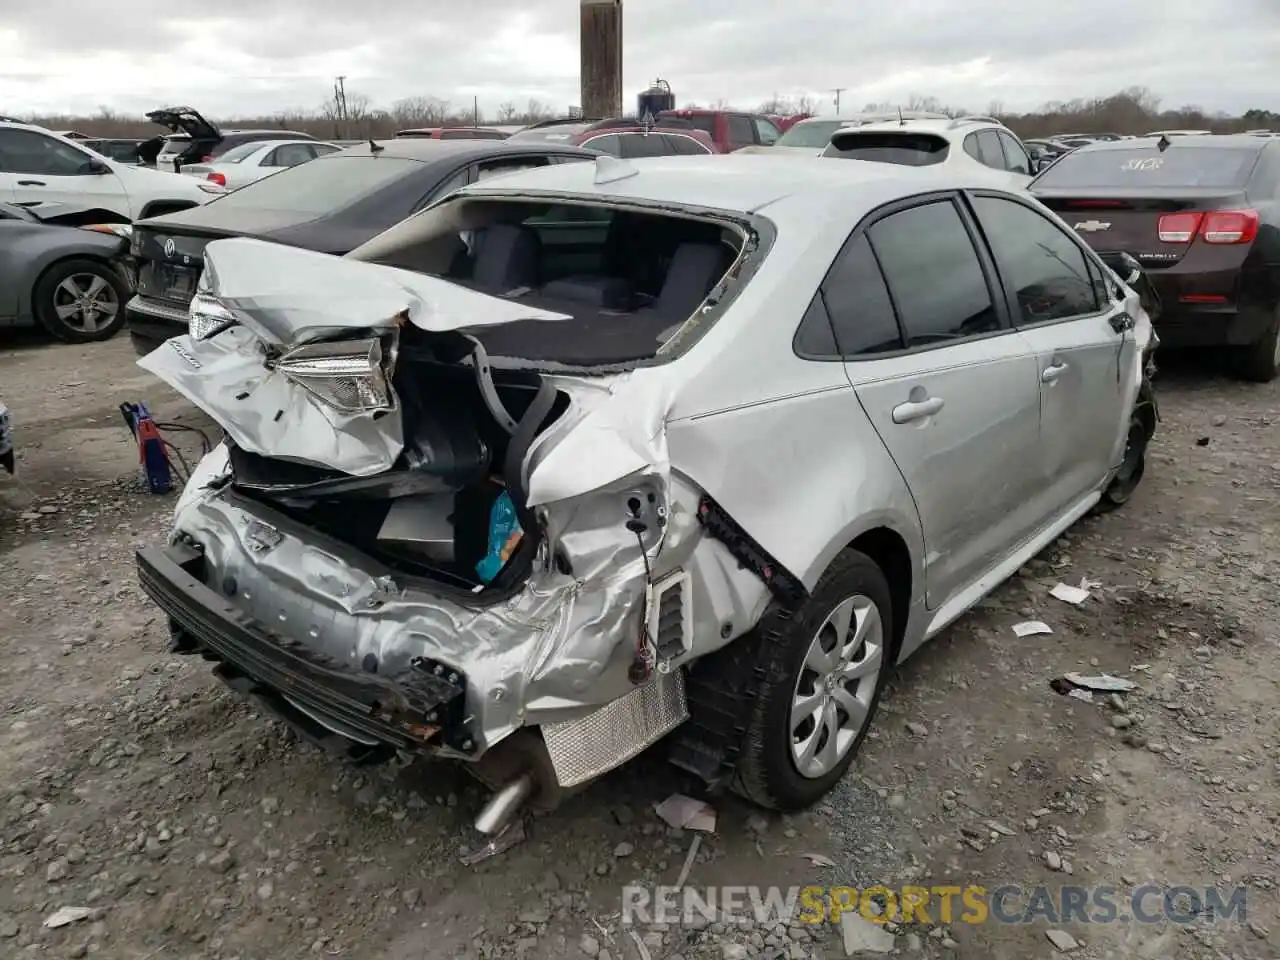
(95, 168)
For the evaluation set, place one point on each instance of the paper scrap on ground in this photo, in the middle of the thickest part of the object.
(1103, 682)
(1078, 694)
(1029, 628)
(1069, 594)
(686, 813)
(818, 860)
(64, 916)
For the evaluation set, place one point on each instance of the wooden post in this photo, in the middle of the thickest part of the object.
(600, 42)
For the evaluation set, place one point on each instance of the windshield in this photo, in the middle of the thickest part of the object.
(237, 154)
(906, 149)
(1147, 166)
(322, 186)
(810, 133)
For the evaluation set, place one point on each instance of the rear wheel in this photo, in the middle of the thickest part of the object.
(1260, 361)
(825, 664)
(80, 300)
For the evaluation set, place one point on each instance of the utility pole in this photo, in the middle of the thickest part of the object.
(600, 58)
(838, 91)
(475, 111)
(340, 102)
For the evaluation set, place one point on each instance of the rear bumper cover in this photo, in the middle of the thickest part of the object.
(151, 323)
(1187, 325)
(423, 707)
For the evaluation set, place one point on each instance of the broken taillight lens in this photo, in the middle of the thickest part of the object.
(345, 374)
(208, 316)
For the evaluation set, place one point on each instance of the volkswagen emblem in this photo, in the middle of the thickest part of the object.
(169, 247)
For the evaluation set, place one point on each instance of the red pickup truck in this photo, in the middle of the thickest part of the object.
(730, 129)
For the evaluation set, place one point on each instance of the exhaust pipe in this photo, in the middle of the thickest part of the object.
(505, 804)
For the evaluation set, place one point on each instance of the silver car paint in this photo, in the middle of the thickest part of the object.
(834, 464)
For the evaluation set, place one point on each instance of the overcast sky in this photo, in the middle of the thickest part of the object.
(256, 57)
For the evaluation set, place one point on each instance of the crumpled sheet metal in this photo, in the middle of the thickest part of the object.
(286, 297)
(558, 646)
(265, 412)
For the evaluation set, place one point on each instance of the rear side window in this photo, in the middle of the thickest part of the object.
(858, 303)
(706, 122)
(1146, 166)
(934, 275)
(905, 149)
(1015, 157)
(610, 143)
(237, 154)
(637, 145)
(767, 132)
(1044, 269)
(989, 150)
(686, 146)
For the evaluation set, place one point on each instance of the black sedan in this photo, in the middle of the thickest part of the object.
(331, 204)
(64, 279)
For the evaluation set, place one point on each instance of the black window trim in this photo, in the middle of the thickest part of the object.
(1092, 260)
(995, 289)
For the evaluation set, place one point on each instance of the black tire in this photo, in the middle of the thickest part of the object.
(53, 291)
(1134, 464)
(767, 773)
(1259, 362)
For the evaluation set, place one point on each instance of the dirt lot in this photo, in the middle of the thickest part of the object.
(134, 786)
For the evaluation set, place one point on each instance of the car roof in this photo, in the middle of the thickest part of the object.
(738, 183)
(938, 125)
(429, 150)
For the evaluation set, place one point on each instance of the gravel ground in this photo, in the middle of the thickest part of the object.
(183, 824)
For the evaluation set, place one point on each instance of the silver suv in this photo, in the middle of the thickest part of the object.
(587, 455)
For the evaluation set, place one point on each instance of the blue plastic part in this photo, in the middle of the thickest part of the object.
(503, 523)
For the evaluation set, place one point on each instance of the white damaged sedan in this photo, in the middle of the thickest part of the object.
(587, 455)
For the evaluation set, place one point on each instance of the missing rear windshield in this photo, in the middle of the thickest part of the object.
(905, 149)
(1147, 166)
(625, 279)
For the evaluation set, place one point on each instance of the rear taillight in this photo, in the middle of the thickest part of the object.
(219, 178)
(1178, 227)
(1229, 226)
(1213, 226)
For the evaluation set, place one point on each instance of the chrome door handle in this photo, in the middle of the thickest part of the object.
(916, 409)
(1052, 372)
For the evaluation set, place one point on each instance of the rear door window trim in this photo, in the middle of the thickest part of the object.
(1092, 262)
(995, 288)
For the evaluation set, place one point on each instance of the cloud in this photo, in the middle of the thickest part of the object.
(253, 57)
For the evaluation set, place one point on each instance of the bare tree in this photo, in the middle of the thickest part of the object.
(805, 104)
(507, 112)
(536, 110)
(720, 104)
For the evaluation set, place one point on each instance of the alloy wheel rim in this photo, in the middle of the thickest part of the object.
(831, 702)
(85, 302)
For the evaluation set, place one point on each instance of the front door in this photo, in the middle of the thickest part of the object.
(51, 177)
(957, 403)
(1061, 305)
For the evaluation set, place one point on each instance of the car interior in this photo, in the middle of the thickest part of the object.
(627, 278)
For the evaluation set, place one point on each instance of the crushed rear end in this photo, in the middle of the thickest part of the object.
(405, 545)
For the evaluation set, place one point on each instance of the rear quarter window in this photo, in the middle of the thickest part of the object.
(906, 149)
(1147, 166)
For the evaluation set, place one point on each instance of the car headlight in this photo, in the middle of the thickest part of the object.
(124, 230)
(346, 374)
(207, 316)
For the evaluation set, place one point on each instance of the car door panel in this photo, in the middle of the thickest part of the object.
(1061, 305)
(951, 391)
(49, 177)
(962, 423)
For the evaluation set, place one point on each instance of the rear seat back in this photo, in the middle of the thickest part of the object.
(506, 257)
(694, 270)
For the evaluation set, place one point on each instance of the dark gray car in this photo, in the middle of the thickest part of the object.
(331, 204)
(65, 279)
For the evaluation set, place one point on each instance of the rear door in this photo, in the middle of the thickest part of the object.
(951, 389)
(1060, 303)
(739, 130)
